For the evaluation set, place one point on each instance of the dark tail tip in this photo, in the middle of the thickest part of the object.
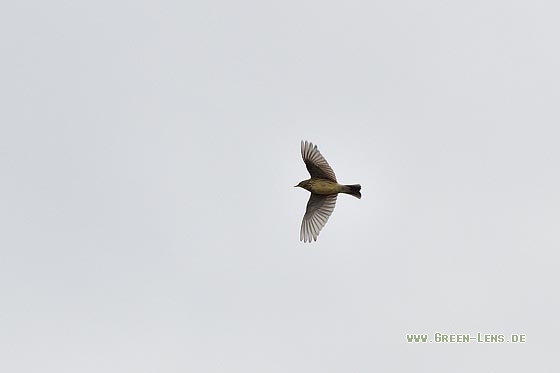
(354, 190)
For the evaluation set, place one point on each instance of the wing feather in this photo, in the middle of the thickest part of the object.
(319, 209)
(316, 164)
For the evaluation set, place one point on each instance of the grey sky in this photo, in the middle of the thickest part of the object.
(148, 152)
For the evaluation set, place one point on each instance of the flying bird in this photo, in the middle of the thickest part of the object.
(324, 189)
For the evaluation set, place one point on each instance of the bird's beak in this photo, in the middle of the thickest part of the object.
(295, 186)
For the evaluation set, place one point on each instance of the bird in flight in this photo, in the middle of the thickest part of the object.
(324, 189)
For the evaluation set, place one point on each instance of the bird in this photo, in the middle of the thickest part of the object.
(324, 190)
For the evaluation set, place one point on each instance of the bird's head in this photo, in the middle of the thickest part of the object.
(303, 184)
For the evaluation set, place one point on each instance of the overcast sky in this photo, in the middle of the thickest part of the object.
(148, 152)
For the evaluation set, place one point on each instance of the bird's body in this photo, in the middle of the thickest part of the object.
(324, 189)
(321, 186)
(327, 187)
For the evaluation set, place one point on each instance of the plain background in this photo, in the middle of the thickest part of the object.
(148, 152)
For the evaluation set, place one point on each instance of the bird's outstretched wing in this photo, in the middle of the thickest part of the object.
(319, 209)
(316, 164)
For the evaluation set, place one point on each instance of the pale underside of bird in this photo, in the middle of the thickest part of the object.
(324, 190)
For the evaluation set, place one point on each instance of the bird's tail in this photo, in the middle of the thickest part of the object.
(353, 190)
